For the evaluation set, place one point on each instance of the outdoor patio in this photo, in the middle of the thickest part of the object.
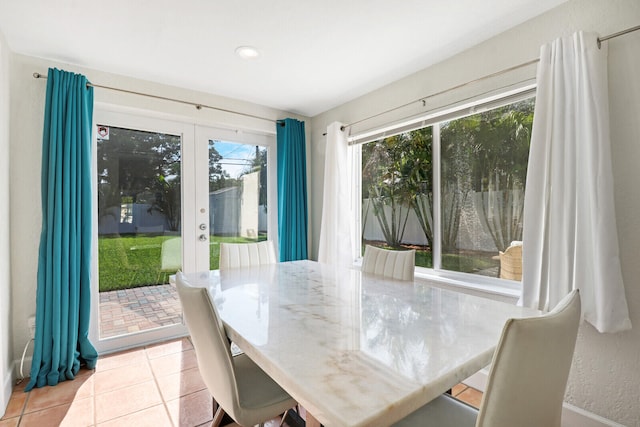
(136, 309)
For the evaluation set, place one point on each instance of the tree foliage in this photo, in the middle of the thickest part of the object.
(484, 155)
(145, 168)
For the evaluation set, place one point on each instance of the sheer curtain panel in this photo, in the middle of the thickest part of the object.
(292, 190)
(570, 235)
(335, 246)
(64, 263)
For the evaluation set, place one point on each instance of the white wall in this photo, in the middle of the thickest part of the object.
(27, 110)
(5, 276)
(605, 377)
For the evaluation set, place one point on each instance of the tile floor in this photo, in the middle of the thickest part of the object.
(155, 386)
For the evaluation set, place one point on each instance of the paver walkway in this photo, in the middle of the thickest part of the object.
(132, 310)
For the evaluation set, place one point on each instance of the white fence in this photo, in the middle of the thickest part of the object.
(472, 234)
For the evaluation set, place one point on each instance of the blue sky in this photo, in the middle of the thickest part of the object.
(235, 157)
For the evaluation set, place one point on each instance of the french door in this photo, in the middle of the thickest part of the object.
(235, 192)
(167, 193)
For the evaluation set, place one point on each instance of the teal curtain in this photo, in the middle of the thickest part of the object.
(292, 190)
(64, 263)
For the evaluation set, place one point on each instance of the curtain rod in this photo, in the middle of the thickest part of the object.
(488, 76)
(164, 98)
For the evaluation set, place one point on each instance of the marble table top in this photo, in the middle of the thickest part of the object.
(352, 348)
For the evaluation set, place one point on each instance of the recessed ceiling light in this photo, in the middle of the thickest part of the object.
(247, 52)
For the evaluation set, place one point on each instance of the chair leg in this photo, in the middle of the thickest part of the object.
(284, 416)
(217, 418)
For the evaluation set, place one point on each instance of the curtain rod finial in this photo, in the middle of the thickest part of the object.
(37, 75)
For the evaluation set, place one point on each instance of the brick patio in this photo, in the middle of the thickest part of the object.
(137, 309)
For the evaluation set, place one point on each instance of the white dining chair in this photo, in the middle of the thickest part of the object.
(398, 265)
(527, 380)
(171, 254)
(243, 390)
(237, 255)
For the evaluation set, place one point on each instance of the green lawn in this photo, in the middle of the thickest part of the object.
(132, 261)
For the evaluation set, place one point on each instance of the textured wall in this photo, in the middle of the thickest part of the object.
(605, 376)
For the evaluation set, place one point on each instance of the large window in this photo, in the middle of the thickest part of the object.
(454, 189)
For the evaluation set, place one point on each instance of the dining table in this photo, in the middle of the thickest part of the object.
(353, 348)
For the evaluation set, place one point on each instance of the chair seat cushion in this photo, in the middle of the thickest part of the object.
(443, 411)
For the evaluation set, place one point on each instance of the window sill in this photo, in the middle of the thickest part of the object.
(483, 286)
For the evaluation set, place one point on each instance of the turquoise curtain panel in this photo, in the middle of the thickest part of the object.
(292, 190)
(64, 265)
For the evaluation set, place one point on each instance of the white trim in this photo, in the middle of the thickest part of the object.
(7, 389)
(573, 416)
(464, 108)
(488, 285)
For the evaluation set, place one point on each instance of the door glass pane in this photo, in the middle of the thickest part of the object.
(484, 168)
(237, 195)
(139, 221)
(397, 196)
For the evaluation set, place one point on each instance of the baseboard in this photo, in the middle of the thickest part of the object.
(7, 389)
(572, 416)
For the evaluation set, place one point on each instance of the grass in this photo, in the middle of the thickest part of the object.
(132, 261)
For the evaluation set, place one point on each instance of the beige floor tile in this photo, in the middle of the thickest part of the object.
(180, 384)
(119, 360)
(121, 377)
(80, 414)
(191, 410)
(50, 417)
(174, 363)
(16, 404)
(156, 416)
(126, 401)
(471, 396)
(9, 422)
(458, 388)
(64, 392)
(171, 347)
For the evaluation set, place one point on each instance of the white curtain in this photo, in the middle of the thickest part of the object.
(570, 235)
(336, 246)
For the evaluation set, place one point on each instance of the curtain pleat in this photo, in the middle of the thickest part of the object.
(336, 229)
(292, 190)
(570, 235)
(63, 292)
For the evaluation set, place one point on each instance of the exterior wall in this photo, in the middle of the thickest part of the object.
(5, 250)
(604, 378)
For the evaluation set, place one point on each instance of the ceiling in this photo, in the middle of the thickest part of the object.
(314, 54)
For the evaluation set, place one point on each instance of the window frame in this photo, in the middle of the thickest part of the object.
(434, 118)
